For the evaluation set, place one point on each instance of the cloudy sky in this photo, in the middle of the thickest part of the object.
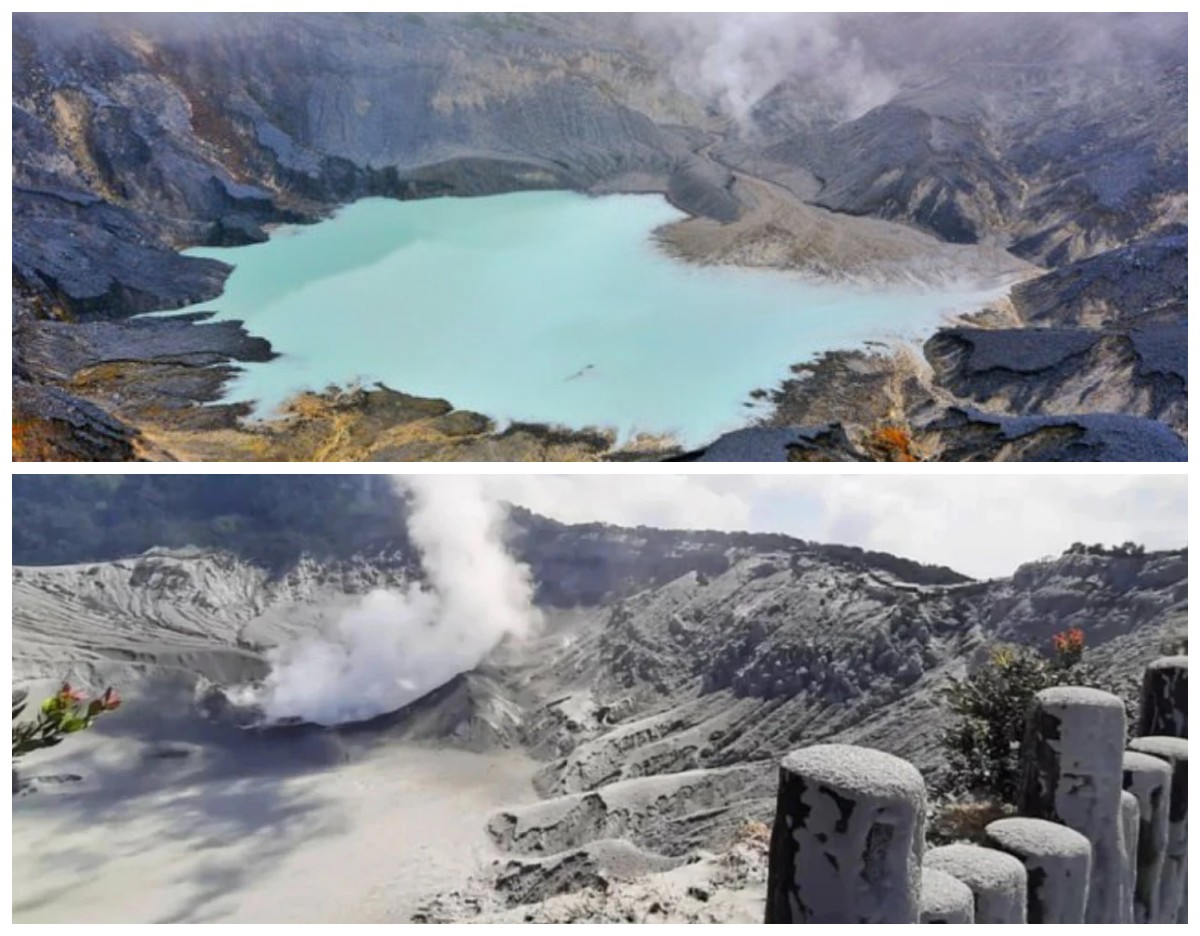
(980, 525)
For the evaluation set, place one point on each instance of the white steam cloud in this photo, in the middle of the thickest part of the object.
(396, 646)
(736, 59)
(844, 64)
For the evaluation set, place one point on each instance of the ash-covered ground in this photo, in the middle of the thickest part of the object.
(615, 764)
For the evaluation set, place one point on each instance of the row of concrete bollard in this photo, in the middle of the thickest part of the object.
(1101, 836)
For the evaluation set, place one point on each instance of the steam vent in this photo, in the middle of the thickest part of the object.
(1102, 835)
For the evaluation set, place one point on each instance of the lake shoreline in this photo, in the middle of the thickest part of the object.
(175, 410)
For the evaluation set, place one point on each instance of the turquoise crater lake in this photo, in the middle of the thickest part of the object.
(548, 307)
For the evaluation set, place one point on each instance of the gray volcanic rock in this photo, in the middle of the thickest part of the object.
(598, 865)
(1019, 134)
(929, 188)
(973, 435)
(63, 349)
(1018, 350)
(74, 429)
(768, 444)
(1109, 334)
(1008, 125)
(475, 711)
(962, 433)
(103, 261)
(704, 188)
(669, 813)
(1143, 281)
(1069, 372)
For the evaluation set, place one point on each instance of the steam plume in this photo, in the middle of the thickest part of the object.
(396, 646)
(846, 64)
(736, 59)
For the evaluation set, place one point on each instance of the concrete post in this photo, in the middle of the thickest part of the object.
(1074, 745)
(1130, 818)
(1164, 698)
(1056, 862)
(848, 838)
(996, 880)
(1173, 888)
(945, 899)
(1149, 779)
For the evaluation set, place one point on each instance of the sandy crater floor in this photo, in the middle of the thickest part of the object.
(183, 833)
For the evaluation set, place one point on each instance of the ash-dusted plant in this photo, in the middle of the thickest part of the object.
(67, 711)
(983, 746)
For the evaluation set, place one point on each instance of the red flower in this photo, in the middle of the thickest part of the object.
(68, 695)
(110, 700)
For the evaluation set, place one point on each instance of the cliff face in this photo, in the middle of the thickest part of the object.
(1064, 133)
(141, 134)
(1101, 335)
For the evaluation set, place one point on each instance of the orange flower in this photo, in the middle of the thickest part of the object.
(894, 442)
(1069, 641)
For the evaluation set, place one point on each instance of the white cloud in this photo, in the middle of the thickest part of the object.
(666, 501)
(982, 525)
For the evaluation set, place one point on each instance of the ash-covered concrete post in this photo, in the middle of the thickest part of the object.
(1130, 819)
(996, 880)
(1074, 746)
(1173, 887)
(1164, 698)
(945, 899)
(1149, 779)
(1056, 862)
(848, 838)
